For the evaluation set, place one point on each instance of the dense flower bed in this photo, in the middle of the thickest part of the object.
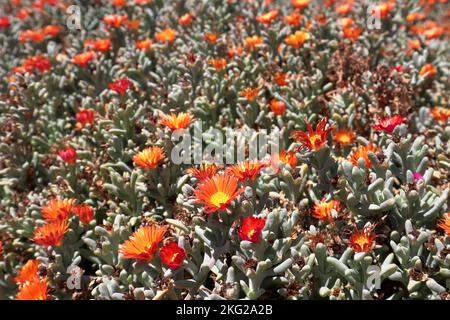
(98, 98)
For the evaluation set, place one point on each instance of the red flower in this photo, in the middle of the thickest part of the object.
(85, 212)
(186, 19)
(4, 22)
(314, 139)
(39, 63)
(277, 107)
(68, 155)
(172, 255)
(251, 229)
(120, 86)
(388, 124)
(84, 117)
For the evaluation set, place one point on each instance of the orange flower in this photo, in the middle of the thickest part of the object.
(235, 51)
(268, 17)
(414, 44)
(28, 272)
(114, 20)
(1, 247)
(211, 37)
(293, 19)
(388, 124)
(324, 210)
(245, 170)
(51, 30)
(280, 79)
(217, 193)
(344, 137)
(345, 22)
(361, 152)
(251, 229)
(57, 209)
(444, 224)
(119, 3)
(34, 290)
(428, 71)
(23, 14)
(84, 117)
(277, 107)
(172, 255)
(204, 172)
(314, 139)
(383, 9)
(167, 35)
(297, 39)
(414, 16)
(102, 45)
(440, 114)
(176, 121)
(144, 44)
(132, 24)
(300, 4)
(249, 93)
(82, 59)
(253, 41)
(218, 63)
(51, 234)
(344, 8)
(143, 244)
(31, 35)
(149, 157)
(434, 32)
(68, 155)
(85, 212)
(286, 157)
(185, 19)
(321, 20)
(362, 241)
(352, 33)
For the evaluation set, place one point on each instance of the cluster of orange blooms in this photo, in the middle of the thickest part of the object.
(218, 187)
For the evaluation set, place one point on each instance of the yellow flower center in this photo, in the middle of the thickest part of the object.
(315, 139)
(344, 138)
(251, 233)
(174, 256)
(362, 242)
(219, 198)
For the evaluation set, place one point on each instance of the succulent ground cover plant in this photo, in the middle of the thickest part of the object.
(118, 179)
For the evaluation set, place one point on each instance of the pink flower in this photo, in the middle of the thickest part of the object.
(417, 176)
(388, 124)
